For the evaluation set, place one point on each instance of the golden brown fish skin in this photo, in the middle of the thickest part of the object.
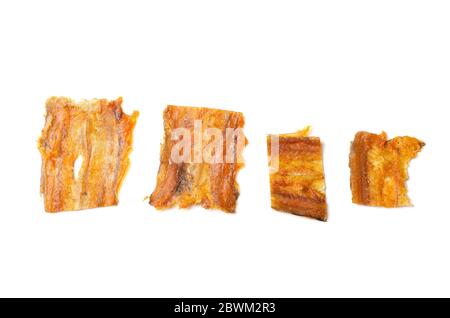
(99, 132)
(298, 187)
(379, 169)
(211, 185)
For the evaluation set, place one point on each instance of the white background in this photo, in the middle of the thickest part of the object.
(341, 66)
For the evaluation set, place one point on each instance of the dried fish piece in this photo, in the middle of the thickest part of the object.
(200, 159)
(297, 181)
(379, 169)
(96, 132)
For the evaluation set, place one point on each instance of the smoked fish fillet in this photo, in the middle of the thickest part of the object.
(297, 181)
(379, 169)
(194, 180)
(95, 133)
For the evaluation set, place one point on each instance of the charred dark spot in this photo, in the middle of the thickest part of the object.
(184, 180)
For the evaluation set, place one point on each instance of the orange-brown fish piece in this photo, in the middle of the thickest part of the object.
(297, 181)
(379, 169)
(97, 134)
(203, 175)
